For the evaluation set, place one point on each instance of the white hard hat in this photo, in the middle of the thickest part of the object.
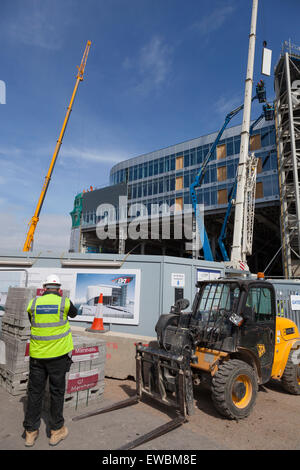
(52, 280)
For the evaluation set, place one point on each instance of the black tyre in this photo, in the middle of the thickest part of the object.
(291, 376)
(234, 389)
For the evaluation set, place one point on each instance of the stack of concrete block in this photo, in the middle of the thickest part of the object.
(15, 335)
(85, 380)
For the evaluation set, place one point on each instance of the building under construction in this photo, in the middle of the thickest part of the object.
(287, 105)
(152, 188)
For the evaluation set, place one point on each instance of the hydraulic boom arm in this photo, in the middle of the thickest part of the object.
(198, 181)
(35, 218)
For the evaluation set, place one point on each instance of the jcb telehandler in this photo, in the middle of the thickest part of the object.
(231, 341)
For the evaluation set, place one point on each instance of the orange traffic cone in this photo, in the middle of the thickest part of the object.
(97, 326)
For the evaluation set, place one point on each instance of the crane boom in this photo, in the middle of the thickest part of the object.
(34, 220)
(237, 253)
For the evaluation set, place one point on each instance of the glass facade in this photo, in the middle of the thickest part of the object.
(156, 179)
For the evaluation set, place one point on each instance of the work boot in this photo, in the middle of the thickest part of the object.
(30, 438)
(59, 435)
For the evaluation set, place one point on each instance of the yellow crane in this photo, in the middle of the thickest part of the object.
(34, 220)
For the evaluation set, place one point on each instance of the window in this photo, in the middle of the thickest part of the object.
(206, 179)
(172, 162)
(255, 142)
(205, 150)
(192, 157)
(161, 186)
(140, 172)
(167, 165)
(213, 173)
(167, 184)
(161, 165)
(265, 137)
(179, 163)
(187, 197)
(213, 198)
(237, 145)
(230, 147)
(221, 151)
(145, 170)
(206, 197)
(179, 204)
(230, 171)
(222, 196)
(186, 159)
(199, 155)
(259, 299)
(259, 190)
(259, 165)
(130, 173)
(179, 183)
(172, 183)
(222, 173)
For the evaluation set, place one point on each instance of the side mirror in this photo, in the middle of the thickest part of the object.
(180, 304)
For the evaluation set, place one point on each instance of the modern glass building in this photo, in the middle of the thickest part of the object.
(163, 177)
(166, 175)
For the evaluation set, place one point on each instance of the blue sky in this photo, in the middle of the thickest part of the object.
(159, 72)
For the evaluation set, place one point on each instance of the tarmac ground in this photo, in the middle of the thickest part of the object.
(273, 424)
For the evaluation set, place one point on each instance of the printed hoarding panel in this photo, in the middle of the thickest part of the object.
(120, 290)
(120, 295)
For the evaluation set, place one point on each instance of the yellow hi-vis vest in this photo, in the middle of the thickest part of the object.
(50, 330)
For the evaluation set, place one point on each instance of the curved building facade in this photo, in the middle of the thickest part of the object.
(161, 179)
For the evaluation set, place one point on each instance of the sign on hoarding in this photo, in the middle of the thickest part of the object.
(120, 289)
(177, 280)
(295, 302)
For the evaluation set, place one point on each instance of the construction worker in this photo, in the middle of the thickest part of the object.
(50, 350)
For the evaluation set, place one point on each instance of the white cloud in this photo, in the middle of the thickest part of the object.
(93, 155)
(52, 232)
(226, 105)
(152, 65)
(213, 21)
(40, 23)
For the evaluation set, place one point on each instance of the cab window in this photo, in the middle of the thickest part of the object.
(259, 299)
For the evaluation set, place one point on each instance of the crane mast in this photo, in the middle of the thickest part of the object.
(238, 253)
(34, 220)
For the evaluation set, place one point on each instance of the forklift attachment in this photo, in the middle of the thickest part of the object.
(151, 383)
(173, 424)
(115, 406)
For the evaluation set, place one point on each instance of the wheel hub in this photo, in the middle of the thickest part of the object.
(242, 391)
(239, 390)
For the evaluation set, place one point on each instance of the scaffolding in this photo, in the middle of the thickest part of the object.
(287, 120)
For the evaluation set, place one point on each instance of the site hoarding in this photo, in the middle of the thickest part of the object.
(120, 290)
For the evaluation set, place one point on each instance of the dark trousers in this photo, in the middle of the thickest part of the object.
(39, 370)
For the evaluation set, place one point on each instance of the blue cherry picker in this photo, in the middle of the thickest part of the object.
(268, 114)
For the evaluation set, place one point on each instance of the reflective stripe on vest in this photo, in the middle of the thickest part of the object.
(50, 338)
(61, 322)
(50, 329)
